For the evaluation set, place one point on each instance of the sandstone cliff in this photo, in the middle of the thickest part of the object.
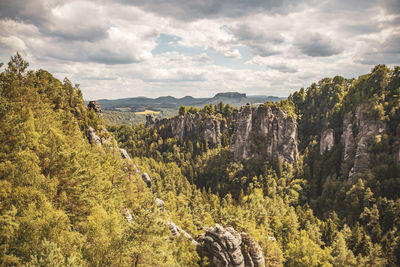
(191, 125)
(356, 142)
(265, 131)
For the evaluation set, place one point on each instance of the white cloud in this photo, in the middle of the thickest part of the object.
(106, 46)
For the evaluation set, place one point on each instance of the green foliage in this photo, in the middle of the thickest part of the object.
(61, 198)
(182, 110)
(64, 202)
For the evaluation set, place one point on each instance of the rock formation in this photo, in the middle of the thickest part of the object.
(190, 125)
(160, 204)
(265, 131)
(327, 141)
(94, 139)
(146, 179)
(357, 147)
(226, 247)
(252, 252)
(96, 107)
(124, 154)
(176, 231)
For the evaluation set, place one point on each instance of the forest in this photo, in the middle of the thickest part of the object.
(64, 196)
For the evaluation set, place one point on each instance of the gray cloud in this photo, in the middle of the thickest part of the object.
(282, 68)
(69, 21)
(34, 11)
(391, 6)
(260, 41)
(246, 32)
(193, 10)
(317, 45)
(262, 50)
(387, 52)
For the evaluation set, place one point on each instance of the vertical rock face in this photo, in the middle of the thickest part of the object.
(190, 125)
(347, 138)
(265, 131)
(96, 107)
(327, 141)
(357, 147)
(226, 247)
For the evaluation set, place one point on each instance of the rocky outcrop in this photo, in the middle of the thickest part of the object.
(100, 136)
(146, 179)
(176, 231)
(160, 204)
(252, 252)
(190, 125)
(96, 107)
(127, 214)
(94, 139)
(226, 247)
(366, 131)
(327, 141)
(124, 154)
(265, 131)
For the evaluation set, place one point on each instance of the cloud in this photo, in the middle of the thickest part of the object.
(34, 11)
(203, 58)
(282, 67)
(66, 22)
(82, 31)
(128, 48)
(387, 52)
(212, 9)
(317, 45)
(256, 33)
(391, 6)
(260, 40)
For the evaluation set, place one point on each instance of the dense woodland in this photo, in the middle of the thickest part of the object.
(62, 198)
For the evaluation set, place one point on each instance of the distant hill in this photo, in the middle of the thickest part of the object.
(142, 103)
(131, 110)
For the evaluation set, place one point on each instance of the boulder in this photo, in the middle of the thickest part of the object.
(225, 247)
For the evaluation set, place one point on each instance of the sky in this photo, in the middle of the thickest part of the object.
(128, 48)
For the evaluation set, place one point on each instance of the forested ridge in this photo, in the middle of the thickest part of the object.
(64, 198)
